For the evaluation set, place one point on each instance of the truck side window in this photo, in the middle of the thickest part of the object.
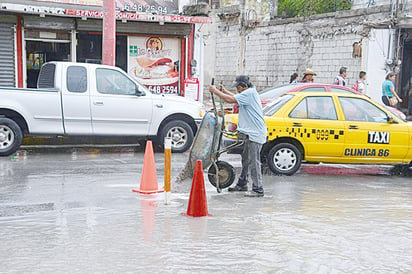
(109, 81)
(76, 79)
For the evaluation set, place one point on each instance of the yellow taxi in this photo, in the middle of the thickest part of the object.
(331, 128)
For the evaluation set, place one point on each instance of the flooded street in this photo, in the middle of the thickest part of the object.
(75, 212)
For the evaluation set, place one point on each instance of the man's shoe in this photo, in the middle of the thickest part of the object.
(254, 194)
(237, 188)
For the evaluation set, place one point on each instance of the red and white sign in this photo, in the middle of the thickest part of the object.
(147, 6)
(141, 16)
(130, 16)
(192, 88)
(76, 2)
(154, 62)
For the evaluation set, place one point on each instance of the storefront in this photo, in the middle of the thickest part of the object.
(405, 81)
(157, 49)
(150, 52)
(46, 39)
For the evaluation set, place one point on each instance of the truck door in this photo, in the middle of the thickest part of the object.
(76, 101)
(116, 107)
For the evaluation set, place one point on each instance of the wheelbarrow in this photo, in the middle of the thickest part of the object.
(207, 147)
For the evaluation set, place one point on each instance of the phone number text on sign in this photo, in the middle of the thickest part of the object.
(143, 8)
(163, 89)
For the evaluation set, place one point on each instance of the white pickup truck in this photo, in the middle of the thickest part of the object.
(76, 99)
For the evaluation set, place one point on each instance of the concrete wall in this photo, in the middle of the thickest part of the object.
(272, 51)
(358, 4)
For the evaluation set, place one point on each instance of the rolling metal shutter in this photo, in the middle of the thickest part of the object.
(7, 68)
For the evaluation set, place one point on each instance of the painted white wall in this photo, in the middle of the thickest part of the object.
(182, 3)
(209, 33)
(377, 53)
(198, 55)
(359, 4)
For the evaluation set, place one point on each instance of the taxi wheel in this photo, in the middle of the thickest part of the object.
(284, 159)
(226, 174)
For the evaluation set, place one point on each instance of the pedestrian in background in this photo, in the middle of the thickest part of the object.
(252, 130)
(340, 80)
(308, 76)
(294, 78)
(360, 85)
(389, 95)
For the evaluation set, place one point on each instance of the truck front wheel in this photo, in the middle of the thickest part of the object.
(11, 136)
(181, 134)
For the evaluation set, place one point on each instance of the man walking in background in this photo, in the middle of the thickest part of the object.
(341, 78)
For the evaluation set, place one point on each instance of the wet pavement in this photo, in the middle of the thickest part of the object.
(73, 211)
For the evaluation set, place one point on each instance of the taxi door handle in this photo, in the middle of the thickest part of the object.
(353, 127)
(297, 124)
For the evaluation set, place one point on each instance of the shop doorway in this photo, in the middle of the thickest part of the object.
(406, 77)
(39, 52)
(89, 49)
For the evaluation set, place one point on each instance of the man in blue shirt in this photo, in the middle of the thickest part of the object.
(252, 129)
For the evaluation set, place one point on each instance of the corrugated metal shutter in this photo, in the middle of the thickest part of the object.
(7, 76)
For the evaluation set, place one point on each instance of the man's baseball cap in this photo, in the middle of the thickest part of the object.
(241, 80)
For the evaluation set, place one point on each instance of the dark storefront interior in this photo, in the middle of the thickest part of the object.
(40, 52)
(89, 49)
(406, 76)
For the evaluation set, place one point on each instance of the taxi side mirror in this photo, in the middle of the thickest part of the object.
(390, 119)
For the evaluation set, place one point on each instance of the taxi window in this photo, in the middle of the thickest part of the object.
(320, 108)
(275, 92)
(340, 90)
(276, 104)
(357, 109)
(313, 89)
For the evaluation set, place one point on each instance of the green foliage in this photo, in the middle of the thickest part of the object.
(297, 8)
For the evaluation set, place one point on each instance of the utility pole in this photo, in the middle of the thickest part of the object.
(109, 33)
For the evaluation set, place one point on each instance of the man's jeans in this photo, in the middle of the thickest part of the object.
(251, 161)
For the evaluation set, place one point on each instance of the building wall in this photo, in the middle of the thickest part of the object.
(358, 4)
(272, 51)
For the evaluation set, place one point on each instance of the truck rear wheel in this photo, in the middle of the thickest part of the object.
(181, 134)
(11, 136)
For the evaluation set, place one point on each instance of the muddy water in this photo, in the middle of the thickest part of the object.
(76, 213)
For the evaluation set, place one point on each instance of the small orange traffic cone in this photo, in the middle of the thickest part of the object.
(148, 182)
(197, 202)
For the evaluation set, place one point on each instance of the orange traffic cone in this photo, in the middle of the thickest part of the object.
(148, 182)
(197, 202)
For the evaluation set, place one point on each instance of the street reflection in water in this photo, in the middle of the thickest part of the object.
(75, 212)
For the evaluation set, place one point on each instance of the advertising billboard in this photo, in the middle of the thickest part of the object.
(154, 62)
